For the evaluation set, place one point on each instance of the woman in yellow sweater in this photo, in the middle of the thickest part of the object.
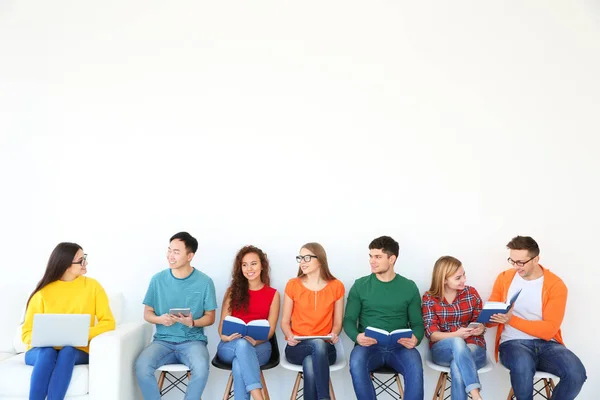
(63, 290)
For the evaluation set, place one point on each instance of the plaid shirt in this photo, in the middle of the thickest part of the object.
(439, 316)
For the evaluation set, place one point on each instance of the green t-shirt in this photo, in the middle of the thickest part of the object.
(385, 305)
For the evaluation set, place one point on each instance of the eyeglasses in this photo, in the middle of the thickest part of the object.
(306, 258)
(519, 263)
(82, 261)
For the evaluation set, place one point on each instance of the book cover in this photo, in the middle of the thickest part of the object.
(385, 338)
(496, 307)
(257, 329)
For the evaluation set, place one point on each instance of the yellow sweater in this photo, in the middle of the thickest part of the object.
(80, 296)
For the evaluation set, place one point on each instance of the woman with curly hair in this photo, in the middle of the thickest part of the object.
(249, 298)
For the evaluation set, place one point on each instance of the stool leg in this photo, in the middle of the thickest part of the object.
(161, 380)
(438, 387)
(264, 385)
(443, 385)
(552, 384)
(331, 392)
(400, 389)
(547, 387)
(189, 375)
(511, 393)
(296, 386)
(228, 387)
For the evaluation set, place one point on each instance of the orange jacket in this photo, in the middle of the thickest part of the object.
(554, 302)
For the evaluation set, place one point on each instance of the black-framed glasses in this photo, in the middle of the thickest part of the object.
(519, 263)
(306, 258)
(82, 261)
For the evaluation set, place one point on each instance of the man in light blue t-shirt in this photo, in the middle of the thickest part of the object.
(179, 338)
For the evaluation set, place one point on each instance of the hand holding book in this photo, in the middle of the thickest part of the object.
(384, 338)
(502, 312)
(257, 329)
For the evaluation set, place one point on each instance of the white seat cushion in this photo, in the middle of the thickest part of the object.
(15, 377)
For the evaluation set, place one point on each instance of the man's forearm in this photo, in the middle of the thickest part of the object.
(205, 320)
(151, 317)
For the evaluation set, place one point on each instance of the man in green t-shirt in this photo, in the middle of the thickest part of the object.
(384, 300)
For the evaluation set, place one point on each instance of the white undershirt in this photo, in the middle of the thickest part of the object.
(528, 306)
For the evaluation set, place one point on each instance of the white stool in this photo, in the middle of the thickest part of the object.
(340, 362)
(444, 378)
(173, 381)
(545, 378)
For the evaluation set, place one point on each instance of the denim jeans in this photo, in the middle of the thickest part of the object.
(405, 361)
(464, 361)
(315, 356)
(52, 370)
(192, 353)
(245, 361)
(523, 357)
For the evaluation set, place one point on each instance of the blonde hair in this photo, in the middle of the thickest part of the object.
(318, 251)
(444, 268)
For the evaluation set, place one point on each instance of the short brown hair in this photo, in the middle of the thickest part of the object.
(524, 243)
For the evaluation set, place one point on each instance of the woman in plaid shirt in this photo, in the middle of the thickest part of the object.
(448, 308)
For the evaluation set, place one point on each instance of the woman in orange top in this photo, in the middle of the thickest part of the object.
(313, 306)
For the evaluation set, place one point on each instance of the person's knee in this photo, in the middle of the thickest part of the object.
(199, 366)
(47, 355)
(414, 359)
(320, 347)
(458, 344)
(522, 369)
(576, 375)
(357, 363)
(68, 351)
(518, 361)
(242, 346)
(143, 366)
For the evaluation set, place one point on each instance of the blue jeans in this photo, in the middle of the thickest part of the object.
(464, 361)
(523, 357)
(245, 361)
(192, 353)
(405, 361)
(52, 370)
(315, 356)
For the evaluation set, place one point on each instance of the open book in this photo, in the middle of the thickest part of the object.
(496, 307)
(324, 337)
(257, 329)
(385, 338)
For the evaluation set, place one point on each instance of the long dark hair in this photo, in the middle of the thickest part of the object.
(238, 291)
(60, 260)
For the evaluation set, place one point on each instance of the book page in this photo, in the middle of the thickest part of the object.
(234, 319)
(493, 305)
(382, 331)
(259, 322)
(400, 331)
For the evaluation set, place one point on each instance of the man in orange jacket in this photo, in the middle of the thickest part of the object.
(528, 336)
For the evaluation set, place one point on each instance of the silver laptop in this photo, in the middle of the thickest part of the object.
(51, 330)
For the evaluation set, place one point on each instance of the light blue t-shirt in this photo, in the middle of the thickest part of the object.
(196, 292)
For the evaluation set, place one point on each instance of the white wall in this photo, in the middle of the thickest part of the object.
(451, 127)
